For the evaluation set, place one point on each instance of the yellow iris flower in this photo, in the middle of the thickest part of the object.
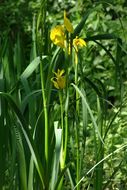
(78, 43)
(68, 24)
(59, 80)
(57, 36)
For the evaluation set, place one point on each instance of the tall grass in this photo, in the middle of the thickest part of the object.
(53, 138)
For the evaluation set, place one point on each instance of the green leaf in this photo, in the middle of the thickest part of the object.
(101, 37)
(89, 110)
(58, 137)
(21, 158)
(27, 135)
(82, 23)
(31, 67)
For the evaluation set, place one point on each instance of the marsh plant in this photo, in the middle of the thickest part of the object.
(57, 124)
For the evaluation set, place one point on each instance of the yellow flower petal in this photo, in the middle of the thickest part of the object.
(61, 72)
(56, 84)
(59, 81)
(57, 36)
(58, 30)
(68, 24)
(78, 43)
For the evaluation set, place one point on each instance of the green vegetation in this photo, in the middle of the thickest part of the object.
(63, 78)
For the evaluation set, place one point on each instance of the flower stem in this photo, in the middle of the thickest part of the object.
(41, 45)
(62, 144)
(77, 126)
(45, 113)
(62, 126)
(66, 127)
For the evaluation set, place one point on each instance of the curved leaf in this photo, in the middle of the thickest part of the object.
(89, 110)
(31, 67)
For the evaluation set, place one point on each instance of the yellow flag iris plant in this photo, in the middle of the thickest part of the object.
(62, 36)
